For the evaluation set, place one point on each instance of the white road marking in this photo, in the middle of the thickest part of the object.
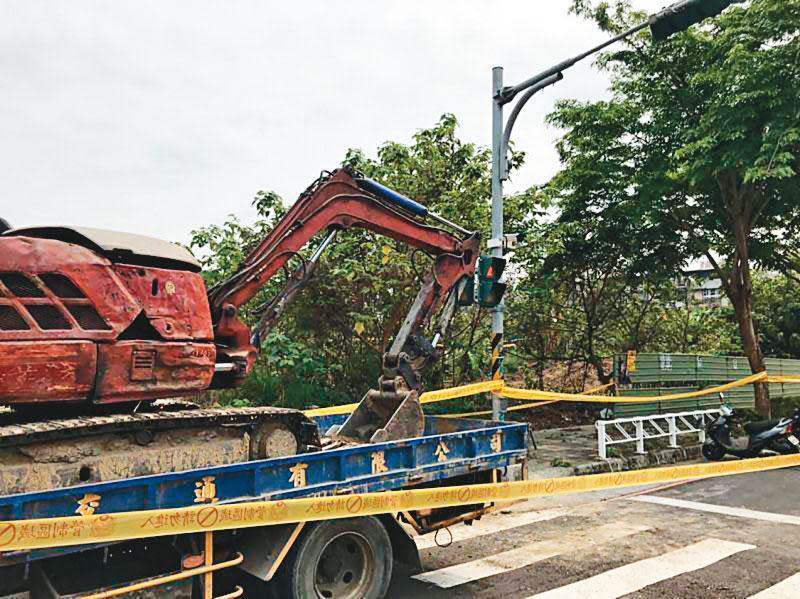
(488, 525)
(718, 509)
(527, 555)
(637, 575)
(785, 589)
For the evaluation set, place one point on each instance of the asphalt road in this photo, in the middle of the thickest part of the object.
(731, 537)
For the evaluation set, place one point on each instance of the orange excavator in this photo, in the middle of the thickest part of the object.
(95, 326)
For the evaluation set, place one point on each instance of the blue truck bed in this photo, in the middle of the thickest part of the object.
(449, 448)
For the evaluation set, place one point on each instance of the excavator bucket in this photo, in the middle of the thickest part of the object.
(383, 416)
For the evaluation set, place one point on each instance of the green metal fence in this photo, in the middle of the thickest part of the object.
(665, 374)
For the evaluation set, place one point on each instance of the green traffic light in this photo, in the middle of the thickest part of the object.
(682, 15)
(490, 290)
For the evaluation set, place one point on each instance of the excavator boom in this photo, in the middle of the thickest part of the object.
(343, 200)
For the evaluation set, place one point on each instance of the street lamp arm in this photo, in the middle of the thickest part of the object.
(510, 92)
(512, 118)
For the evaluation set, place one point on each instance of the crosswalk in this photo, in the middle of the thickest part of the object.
(618, 582)
(527, 555)
(723, 510)
(788, 588)
(571, 538)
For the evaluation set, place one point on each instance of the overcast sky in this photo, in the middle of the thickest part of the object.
(161, 117)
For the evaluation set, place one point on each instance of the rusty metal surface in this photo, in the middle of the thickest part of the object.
(67, 368)
(175, 302)
(23, 260)
(65, 315)
(152, 370)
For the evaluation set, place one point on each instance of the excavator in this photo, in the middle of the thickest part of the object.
(102, 333)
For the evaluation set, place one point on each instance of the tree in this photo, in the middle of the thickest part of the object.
(696, 153)
(576, 309)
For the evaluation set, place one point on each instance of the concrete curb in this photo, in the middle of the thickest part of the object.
(637, 462)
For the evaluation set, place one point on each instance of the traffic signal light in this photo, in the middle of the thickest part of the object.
(490, 290)
(465, 292)
(682, 15)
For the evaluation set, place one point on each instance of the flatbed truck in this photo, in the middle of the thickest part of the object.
(342, 558)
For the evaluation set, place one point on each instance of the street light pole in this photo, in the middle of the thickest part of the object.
(499, 404)
(675, 18)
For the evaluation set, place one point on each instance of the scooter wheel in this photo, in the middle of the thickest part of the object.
(713, 452)
(784, 447)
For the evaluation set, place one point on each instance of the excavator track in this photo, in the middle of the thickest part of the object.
(38, 454)
(16, 431)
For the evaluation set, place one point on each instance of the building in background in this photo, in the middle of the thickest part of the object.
(700, 285)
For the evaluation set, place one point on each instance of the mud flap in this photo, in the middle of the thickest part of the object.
(381, 417)
(406, 554)
(265, 548)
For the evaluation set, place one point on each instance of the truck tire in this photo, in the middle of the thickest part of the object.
(349, 558)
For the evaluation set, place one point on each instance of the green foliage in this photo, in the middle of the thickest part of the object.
(702, 133)
(696, 153)
(776, 312)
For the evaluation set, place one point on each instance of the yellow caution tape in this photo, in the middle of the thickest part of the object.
(783, 379)
(427, 397)
(332, 410)
(101, 528)
(500, 388)
(594, 390)
(534, 394)
(523, 406)
(463, 391)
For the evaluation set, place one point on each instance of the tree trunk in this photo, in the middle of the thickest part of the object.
(742, 307)
(740, 202)
(740, 292)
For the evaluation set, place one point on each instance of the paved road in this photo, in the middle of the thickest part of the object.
(736, 537)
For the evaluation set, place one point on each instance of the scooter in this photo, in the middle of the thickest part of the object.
(778, 436)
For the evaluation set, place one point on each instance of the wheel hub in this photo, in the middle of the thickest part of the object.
(344, 568)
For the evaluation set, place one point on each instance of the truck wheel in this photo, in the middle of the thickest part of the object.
(339, 559)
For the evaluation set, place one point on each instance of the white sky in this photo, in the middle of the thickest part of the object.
(161, 117)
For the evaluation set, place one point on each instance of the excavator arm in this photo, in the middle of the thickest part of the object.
(342, 200)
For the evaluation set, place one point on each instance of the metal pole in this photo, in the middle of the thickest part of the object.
(499, 404)
(506, 95)
(208, 577)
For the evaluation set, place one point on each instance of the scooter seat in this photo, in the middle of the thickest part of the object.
(759, 427)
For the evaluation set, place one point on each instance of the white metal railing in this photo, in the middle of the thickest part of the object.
(641, 428)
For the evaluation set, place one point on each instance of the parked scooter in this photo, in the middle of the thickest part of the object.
(778, 436)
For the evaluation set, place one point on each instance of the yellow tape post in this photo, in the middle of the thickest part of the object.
(99, 528)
